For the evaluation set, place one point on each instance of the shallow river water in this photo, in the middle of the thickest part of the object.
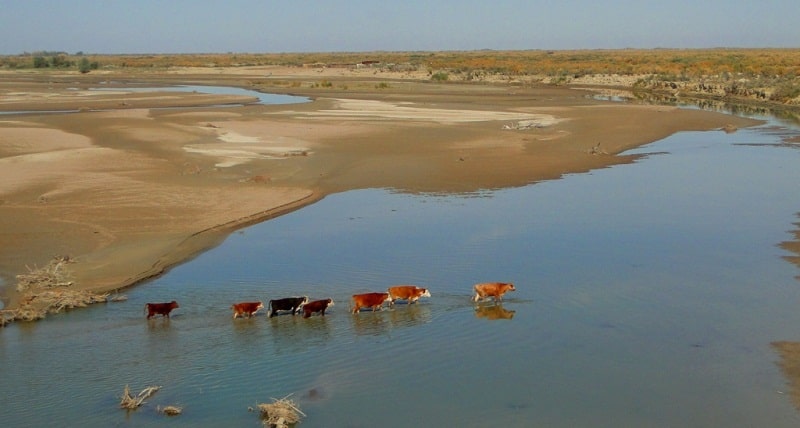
(647, 295)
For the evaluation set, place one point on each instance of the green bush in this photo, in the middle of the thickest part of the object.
(84, 66)
(40, 62)
(440, 76)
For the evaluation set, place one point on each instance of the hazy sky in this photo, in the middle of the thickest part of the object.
(190, 26)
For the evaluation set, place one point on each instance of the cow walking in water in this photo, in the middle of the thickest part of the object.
(162, 309)
(410, 293)
(286, 304)
(246, 309)
(492, 289)
(316, 306)
(373, 301)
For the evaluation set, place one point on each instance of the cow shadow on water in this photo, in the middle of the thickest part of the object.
(159, 324)
(295, 333)
(375, 323)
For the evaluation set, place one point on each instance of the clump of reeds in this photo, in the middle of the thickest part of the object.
(37, 304)
(280, 413)
(131, 402)
(48, 290)
(170, 410)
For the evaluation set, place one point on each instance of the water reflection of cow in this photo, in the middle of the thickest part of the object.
(493, 312)
(410, 316)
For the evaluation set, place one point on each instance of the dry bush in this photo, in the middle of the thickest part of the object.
(280, 413)
(47, 290)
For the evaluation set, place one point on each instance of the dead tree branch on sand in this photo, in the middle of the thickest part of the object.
(53, 275)
(596, 150)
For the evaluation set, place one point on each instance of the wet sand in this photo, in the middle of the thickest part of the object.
(128, 188)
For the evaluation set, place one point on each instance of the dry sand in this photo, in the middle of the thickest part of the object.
(127, 189)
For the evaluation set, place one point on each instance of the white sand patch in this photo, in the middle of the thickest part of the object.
(249, 141)
(236, 148)
(235, 137)
(380, 110)
(232, 154)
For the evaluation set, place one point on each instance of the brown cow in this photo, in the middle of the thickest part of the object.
(316, 306)
(162, 309)
(246, 308)
(370, 300)
(492, 289)
(411, 293)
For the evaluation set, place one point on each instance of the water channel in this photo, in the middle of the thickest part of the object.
(647, 295)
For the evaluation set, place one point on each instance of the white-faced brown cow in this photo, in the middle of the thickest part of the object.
(316, 306)
(492, 289)
(410, 293)
(373, 301)
(246, 309)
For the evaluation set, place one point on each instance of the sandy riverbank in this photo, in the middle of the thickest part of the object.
(127, 189)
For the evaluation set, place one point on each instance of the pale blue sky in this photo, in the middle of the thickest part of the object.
(185, 26)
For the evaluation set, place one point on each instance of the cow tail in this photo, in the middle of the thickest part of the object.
(269, 307)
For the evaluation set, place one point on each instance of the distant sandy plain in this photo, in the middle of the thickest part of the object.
(130, 183)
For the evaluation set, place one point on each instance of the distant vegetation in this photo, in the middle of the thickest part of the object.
(763, 74)
(49, 59)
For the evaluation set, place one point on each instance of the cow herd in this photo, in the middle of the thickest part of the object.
(373, 301)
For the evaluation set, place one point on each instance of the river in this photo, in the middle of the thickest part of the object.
(647, 294)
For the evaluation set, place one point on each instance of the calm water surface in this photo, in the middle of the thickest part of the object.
(647, 295)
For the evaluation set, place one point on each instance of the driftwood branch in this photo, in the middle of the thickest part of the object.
(130, 402)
